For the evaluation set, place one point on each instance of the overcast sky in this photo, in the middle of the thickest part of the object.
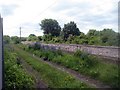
(87, 14)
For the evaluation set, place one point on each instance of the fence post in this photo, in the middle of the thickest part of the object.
(1, 52)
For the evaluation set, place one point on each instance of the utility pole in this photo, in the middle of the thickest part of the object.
(20, 34)
(119, 17)
(1, 55)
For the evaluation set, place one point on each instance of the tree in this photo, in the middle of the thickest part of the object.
(40, 38)
(6, 39)
(109, 37)
(47, 37)
(50, 26)
(70, 29)
(15, 39)
(91, 32)
(23, 38)
(32, 37)
(82, 35)
(104, 39)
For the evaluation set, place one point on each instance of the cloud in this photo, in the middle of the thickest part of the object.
(7, 10)
(31, 28)
(86, 13)
(91, 14)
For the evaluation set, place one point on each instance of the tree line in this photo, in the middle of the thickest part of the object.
(69, 34)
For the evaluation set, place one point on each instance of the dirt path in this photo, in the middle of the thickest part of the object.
(38, 82)
(86, 79)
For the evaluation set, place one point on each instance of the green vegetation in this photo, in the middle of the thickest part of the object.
(6, 39)
(15, 76)
(81, 62)
(53, 77)
(69, 34)
(32, 37)
(50, 26)
(15, 39)
(70, 29)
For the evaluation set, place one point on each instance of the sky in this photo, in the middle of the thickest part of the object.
(87, 14)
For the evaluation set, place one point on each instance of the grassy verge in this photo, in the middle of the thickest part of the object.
(15, 76)
(53, 77)
(83, 63)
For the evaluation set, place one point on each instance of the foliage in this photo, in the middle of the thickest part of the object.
(15, 76)
(57, 40)
(15, 39)
(105, 37)
(70, 34)
(50, 26)
(92, 32)
(6, 39)
(47, 37)
(70, 29)
(49, 74)
(109, 37)
(85, 64)
(39, 38)
(32, 37)
(23, 38)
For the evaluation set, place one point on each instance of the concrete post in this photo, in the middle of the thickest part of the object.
(119, 28)
(1, 52)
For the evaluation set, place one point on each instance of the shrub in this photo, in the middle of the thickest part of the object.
(59, 52)
(94, 73)
(51, 55)
(15, 76)
(78, 53)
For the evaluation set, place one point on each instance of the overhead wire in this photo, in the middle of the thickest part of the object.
(41, 13)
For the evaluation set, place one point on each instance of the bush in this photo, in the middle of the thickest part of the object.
(51, 55)
(94, 73)
(85, 64)
(78, 53)
(15, 76)
(59, 52)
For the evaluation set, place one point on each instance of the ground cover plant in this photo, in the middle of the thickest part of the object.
(81, 62)
(15, 76)
(53, 78)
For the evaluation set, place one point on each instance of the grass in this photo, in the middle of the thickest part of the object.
(83, 63)
(15, 76)
(107, 73)
(53, 77)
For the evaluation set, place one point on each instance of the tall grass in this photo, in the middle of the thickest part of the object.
(83, 63)
(15, 76)
(52, 76)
